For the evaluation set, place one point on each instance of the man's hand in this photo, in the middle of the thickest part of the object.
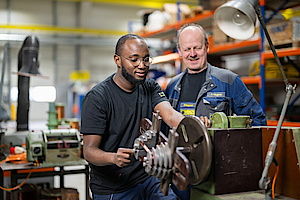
(122, 157)
(206, 121)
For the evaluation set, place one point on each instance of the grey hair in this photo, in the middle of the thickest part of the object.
(192, 25)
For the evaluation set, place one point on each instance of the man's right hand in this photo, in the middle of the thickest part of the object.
(122, 157)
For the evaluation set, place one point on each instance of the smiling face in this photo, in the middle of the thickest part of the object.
(193, 49)
(130, 73)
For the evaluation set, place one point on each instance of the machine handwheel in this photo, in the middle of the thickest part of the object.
(193, 136)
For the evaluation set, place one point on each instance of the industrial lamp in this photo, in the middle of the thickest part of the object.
(237, 19)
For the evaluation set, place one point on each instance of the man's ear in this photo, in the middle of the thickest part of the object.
(117, 60)
(207, 47)
(179, 52)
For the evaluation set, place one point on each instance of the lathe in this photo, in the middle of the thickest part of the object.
(54, 146)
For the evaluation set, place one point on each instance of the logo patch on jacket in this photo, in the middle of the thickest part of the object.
(187, 108)
(216, 94)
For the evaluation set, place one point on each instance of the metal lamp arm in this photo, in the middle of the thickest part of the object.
(263, 182)
(263, 25)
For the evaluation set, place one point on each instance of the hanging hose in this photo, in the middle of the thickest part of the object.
(275, 178)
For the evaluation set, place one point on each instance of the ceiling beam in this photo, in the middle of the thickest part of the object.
(156, 4)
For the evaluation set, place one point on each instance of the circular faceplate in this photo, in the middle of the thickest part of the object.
(194, 136)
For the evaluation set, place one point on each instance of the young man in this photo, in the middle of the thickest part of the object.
(203, 89)
(110, 118)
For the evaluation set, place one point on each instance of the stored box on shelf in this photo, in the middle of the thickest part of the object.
(212, 4)
(272, 70)
(177, 12)
(285, 32)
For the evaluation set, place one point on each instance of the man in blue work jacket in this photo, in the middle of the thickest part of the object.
(203, 89)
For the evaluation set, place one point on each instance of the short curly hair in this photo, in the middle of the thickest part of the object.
(123, 39)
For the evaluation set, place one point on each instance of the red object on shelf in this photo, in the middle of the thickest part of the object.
(285, 123)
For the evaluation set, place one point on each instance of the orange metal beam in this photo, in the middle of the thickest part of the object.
(48, 169)
(252, 80)
(282, 53)
(285, 123)
(262, 2)
(176, 26)
(233, 45)
(171, 27)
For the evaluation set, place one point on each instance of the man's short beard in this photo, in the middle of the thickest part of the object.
(131, 78)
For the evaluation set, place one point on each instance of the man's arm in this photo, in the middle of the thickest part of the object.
(96, 156)
(244, 103)
(172, 117)
(169, 115)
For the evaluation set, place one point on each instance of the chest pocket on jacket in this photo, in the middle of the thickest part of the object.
(243, 100)
(216, 104)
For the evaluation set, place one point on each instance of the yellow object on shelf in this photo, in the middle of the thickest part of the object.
(272, 70)
(13, 112)
(291, 12)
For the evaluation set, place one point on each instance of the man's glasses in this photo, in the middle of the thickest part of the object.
(136, 61)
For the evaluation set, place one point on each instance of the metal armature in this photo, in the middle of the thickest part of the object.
(183, 158)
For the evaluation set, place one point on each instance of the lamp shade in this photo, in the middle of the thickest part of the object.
(237, 19)
(28, 63)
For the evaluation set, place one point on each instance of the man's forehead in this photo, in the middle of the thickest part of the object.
(191, 36)
(136, 47)
(135, 41)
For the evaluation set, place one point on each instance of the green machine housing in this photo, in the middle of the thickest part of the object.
(53, 146)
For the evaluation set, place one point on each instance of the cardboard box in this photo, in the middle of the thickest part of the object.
(211, 4)
(285, 32)
(173, 8)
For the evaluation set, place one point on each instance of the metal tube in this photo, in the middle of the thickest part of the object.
(264, 181)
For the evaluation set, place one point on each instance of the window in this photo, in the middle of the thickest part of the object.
(37, 94)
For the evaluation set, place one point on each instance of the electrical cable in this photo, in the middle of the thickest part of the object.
(16, 159)
(18, 186)
(275, 178)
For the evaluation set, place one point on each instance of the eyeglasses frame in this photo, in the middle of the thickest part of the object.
(139, 58)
